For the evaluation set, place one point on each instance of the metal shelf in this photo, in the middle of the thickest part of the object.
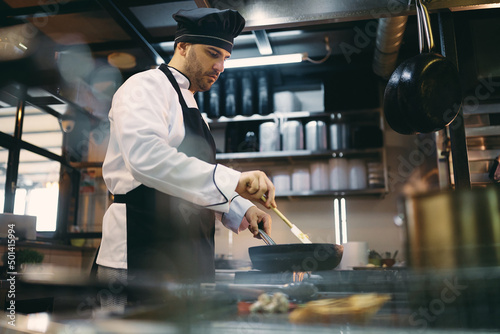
(296, 155)
(286, 115)
(270, 117)
(482, 131)
(276, 158)
(369, 192)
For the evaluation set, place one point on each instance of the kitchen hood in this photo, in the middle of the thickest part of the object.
(272, 14)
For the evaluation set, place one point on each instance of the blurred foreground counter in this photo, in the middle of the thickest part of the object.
(41, 323)
(434, 301)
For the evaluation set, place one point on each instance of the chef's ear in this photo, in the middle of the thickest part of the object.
(182, 47)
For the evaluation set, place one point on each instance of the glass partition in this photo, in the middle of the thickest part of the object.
(38, 189)
(42, 129)
(93, 200)
(8, 120)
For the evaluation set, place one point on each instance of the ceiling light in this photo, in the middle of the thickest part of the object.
(267, 60)
(286, 33)
(14, 42)
(122, 60)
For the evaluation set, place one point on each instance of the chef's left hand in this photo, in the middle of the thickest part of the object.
(254, 216)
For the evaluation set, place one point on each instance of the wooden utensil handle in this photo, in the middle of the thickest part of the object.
(278, 212)
(283, 217)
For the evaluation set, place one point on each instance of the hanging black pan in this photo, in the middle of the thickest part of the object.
(294, 257)
(423, 94)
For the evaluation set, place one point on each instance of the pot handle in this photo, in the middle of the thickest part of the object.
(424, 27)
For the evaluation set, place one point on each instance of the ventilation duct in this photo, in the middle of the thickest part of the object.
(390, 33)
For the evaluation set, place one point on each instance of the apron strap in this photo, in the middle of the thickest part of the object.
(164, 68)
(122, 198)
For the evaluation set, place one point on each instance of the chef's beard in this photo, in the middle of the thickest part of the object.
(196, 74)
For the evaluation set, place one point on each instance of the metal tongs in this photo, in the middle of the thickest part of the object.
(267, 239)
(294, 229)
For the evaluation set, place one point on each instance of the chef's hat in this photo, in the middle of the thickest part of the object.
(209, 26)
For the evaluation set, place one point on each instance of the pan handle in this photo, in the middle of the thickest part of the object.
(267, 239)
(424, 26)
(421, 42)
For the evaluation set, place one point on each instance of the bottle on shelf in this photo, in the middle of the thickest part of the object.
(247, 94)
(264, 94)
(200, 101)
(316, 136)
(319, 176)
(301, 179)
(339, 133)
(269, 137)
(339, 175)
(214, 105)
(357, 174)
(231, 95)
(293, 136)
(282, 181)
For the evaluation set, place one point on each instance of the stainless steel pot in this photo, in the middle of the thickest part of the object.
(339, 136)
(316, 136)
(269, 137)
(454, 257)
(293, 136)
(454, 229)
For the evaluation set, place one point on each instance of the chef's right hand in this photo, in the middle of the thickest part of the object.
(253, 185)
(256, 218)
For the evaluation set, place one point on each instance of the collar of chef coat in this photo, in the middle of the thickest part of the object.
(184, 84)
(182, 80)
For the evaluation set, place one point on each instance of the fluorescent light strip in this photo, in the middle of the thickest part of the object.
(336, 217)
(343, 216)
(267, 60)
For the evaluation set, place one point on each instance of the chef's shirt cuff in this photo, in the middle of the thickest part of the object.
(235, 218)
(225, 179)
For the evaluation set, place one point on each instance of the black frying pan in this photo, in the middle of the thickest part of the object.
(294, 257)
(423, 93)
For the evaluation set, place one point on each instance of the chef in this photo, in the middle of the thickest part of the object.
(160, 164)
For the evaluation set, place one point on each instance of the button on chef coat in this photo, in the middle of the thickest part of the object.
(146, 126)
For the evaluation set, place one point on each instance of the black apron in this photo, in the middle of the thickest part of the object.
(168, 237)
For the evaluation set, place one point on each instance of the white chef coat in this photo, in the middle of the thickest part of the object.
(146, 127)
